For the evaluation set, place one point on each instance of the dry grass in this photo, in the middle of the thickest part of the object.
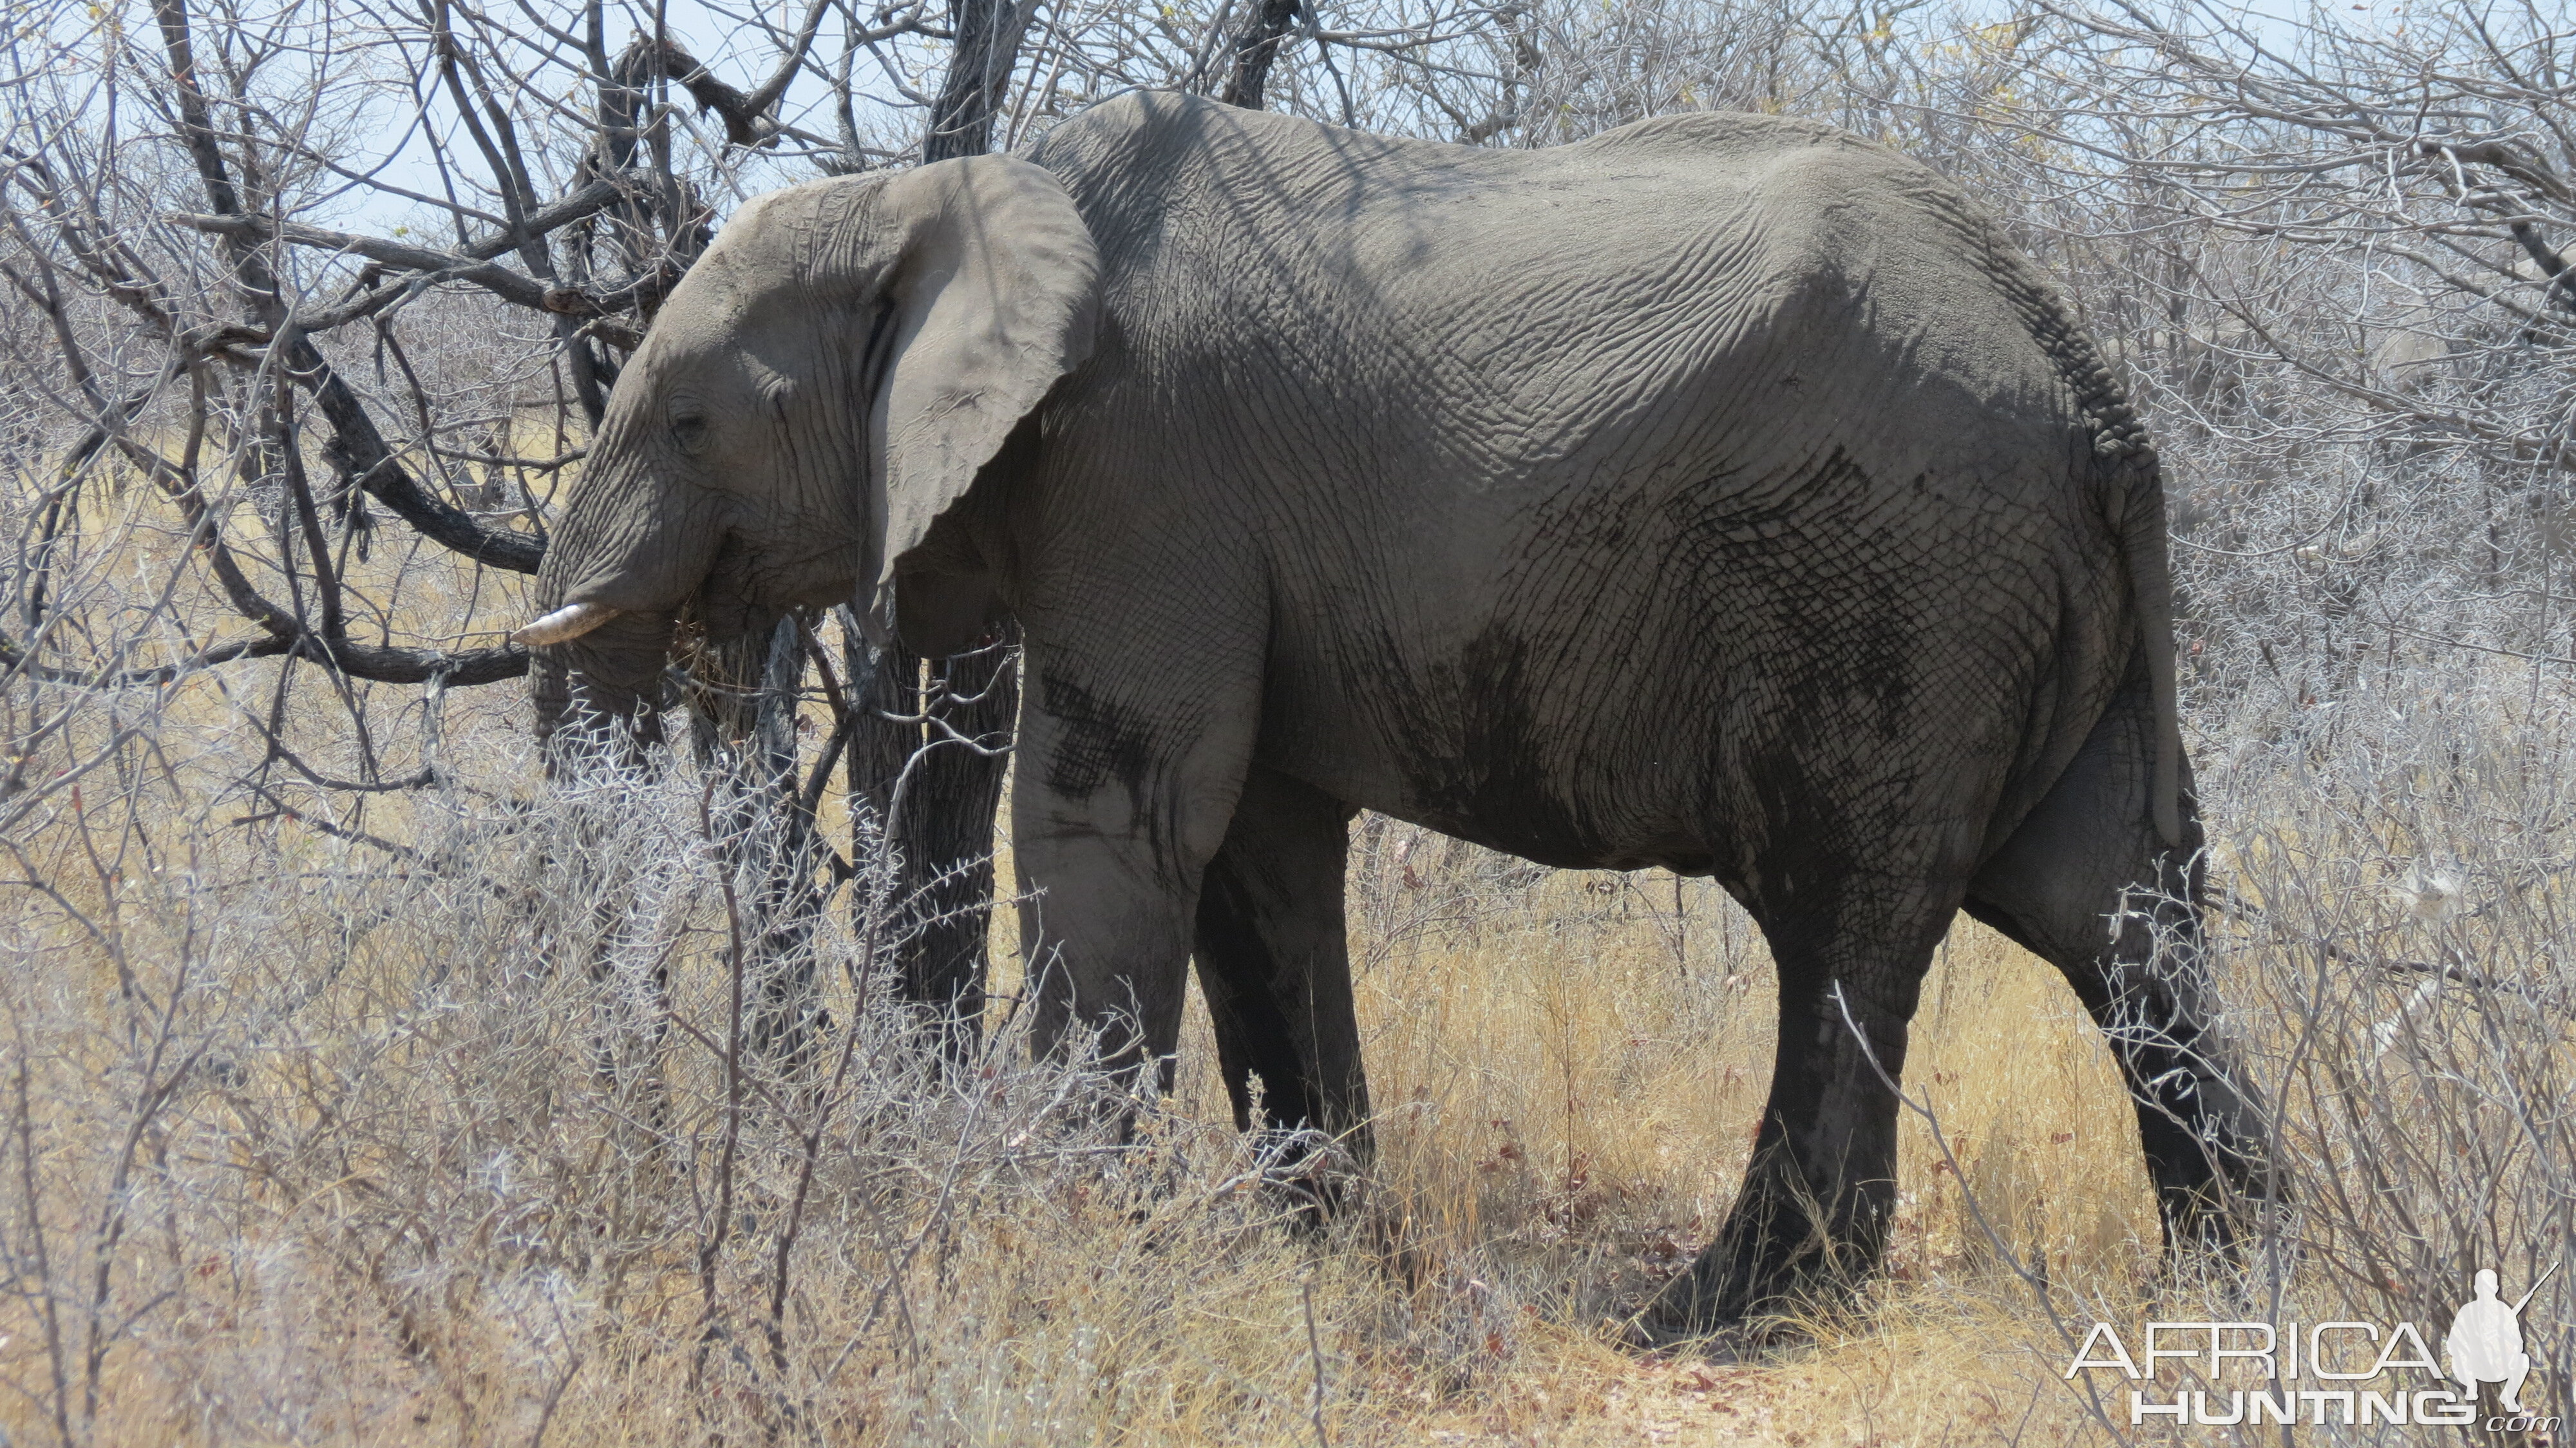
(313, 1129)
(373, 1188)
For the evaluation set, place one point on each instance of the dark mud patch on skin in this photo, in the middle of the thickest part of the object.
(1494, 791)
(1101, 742)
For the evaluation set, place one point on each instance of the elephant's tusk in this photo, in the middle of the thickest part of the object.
(568, 622)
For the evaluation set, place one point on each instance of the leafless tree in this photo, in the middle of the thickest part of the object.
(309, 270)
(2338, 239)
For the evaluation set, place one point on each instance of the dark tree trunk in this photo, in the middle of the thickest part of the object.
(743, 720)
(1254, 47)
(979, 68)
(943, 828)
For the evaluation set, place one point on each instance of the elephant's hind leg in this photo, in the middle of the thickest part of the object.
(1274, 960)
(2085, 884)
(1820, 1190)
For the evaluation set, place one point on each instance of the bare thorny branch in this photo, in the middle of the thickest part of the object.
(231, 290)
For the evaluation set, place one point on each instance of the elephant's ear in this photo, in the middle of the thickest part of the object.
(993, 298)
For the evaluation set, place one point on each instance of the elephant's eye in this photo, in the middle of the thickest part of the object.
(689, 430)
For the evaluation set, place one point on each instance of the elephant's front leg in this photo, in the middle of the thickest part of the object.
(1126, 781)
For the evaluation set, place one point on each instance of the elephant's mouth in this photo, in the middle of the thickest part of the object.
(748, 582)
(682, 580)
(754, 581)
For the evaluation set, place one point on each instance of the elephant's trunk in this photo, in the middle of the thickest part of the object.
(628, 554)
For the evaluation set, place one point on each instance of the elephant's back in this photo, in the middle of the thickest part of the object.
(1571, 306)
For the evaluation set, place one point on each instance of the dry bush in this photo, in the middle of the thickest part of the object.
(334, 1140)
(2398, 953)
(316, 1138)
(369, 1151)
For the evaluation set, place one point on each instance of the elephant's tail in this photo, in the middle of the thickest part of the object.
(2138, 496)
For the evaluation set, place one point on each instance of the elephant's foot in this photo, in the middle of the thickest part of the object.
(1751, 1306)
(2215, 1194)
(1773, 1265)
(2200, 1234)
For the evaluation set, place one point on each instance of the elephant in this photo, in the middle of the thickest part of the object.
(1723, 493)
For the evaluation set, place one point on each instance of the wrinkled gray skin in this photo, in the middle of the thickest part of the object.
(1722, 493)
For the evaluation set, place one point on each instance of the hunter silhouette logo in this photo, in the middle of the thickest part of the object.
(2485, 1341)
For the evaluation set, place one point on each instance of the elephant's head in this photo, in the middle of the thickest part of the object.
(826, 381)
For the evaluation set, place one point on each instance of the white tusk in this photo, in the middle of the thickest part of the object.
(568, 622)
